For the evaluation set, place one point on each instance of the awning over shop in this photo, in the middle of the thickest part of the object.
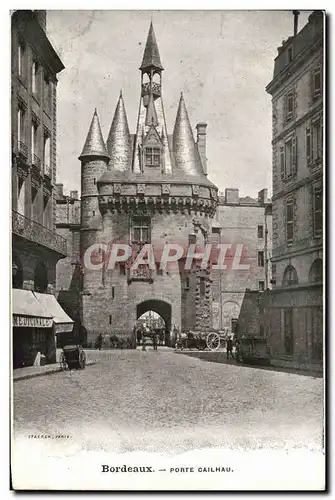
(28, 310)
(62, 322)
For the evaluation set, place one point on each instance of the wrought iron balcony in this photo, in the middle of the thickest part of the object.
(36, 161)
(48, 171)
(33, 231)
(23, 150)
(155, 88)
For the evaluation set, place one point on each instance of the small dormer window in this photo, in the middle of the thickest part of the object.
(153, 157)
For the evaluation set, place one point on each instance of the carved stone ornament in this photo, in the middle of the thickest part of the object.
(117, 188)
(195, 190)
(214, 194)
(140, 188)
(166, 188)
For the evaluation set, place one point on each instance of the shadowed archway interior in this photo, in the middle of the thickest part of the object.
(158, 306)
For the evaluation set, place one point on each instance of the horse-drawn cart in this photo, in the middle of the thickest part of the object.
(73, 357)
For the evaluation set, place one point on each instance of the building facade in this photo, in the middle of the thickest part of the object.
(295, 308)
(244, 224)
(36, 247)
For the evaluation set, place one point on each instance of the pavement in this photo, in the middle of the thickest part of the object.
(166, 402)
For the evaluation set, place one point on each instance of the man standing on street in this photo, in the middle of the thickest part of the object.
(230, 348)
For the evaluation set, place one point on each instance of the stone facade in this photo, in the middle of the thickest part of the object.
(246, 225)
(150, 187)
(296, 305)
(36, 247)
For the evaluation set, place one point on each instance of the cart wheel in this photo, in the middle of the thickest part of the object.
(62, 362)
(213, 341)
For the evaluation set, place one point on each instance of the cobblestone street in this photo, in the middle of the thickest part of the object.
(163, 401)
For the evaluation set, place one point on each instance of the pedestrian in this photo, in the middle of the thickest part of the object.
(99, 341)
(154, 340)
(230, 348)
(237, 350)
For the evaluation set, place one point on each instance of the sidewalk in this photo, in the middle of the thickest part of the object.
(38, 371)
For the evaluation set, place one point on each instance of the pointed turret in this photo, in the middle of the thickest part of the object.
(151, 58)
(119, 141)
(151, 116)
(94, 144)
(185, 150)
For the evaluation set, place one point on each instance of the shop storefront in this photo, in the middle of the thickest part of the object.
(37, 320)
(32, 329)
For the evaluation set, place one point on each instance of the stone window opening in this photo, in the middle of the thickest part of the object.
(317, 211)
(202, 287)
(113, 292)
(289, 221)
(21, 139)
(110, 319)
(260, 258)
(260, 231)
(34, 77)
(261, 286)
(34, 143)
(21, 51)
(187, 283)
(289, 106)
(46, 154)
(47, 92)
(316, 83)
(290, 276)
(41, 278)
(141, 230)
(315, 274)
(153, 157)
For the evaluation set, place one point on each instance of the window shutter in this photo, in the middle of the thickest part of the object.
(282, 162)
(308, 145)
(294, 156)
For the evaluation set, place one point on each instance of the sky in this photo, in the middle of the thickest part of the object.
(220, 60)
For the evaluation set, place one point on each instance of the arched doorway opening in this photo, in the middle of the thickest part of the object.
(157, 309)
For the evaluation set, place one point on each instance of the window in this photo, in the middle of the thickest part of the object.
(187, 283)
(110, 319)
(316, 83)
(289, 221)
(317, 210)
(288, 332)
(261, 259)
(34, 77)
(20, 59)
(261, 286)
(93, 213)
(314, 141)
(113, 292)
(34, 143)
(289, 106)
(46, 155)
(153, 157)
(122, 270)
(202, 287)
(141, 229)
(290, 276)
(260, 231)
(288, 158)
(21, 130)
(94, 181)
(47, 92)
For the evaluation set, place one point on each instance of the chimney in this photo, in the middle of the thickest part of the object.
(42, 18)
(296, 14)
(232, 196)
(201, 143)
(263, 196)
(74, 195)
(59, 190)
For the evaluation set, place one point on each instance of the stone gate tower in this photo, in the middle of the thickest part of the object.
(150, 187)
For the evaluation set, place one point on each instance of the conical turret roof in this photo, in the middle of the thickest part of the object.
(151, 56)
(185, 151)
(119, 141)
(151, 116)
(94, 144)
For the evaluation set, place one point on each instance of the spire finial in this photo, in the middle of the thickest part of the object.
(94, 144)
(151, 57)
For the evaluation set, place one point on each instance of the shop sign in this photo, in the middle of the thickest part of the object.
(31, 322)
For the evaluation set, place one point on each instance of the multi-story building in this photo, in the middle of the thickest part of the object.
(36, 247)
(244, 224)
(295, 306)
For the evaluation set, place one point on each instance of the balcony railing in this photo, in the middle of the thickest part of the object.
(33, 231)
(36, 161)
(23, 150)
(48, 171)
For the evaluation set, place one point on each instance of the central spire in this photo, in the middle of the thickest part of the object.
(151, 58)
